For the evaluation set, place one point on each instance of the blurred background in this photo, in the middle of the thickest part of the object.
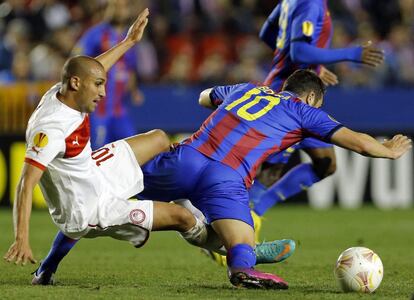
(193, 44)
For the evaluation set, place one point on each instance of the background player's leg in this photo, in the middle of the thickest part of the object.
(146, 145)
(121, 127)
(299, 178)
(99, 133)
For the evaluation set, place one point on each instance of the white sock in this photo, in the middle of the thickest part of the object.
(196, 235)
(204, 236)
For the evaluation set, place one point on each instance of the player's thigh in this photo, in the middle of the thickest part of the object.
(118, 165)
(221, 194)
(147, 145)
(233, 232)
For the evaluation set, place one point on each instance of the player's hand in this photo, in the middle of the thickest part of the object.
(136, 30)
(328, 78)
(20, 252)
(399, 145)
(371, 55)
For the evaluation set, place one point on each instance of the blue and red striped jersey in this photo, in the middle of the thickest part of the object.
(307, 20)
(94, 42)
(251, 122)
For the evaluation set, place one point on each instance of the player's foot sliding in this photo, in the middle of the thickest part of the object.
(44, 277)
(254, 279)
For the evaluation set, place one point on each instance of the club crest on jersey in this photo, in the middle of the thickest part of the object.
(137, 216)
(307, 28)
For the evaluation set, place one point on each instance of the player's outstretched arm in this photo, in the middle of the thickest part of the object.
(20, 250)
(268, 32)
(303, 52)
(365, 144)
(134, 35)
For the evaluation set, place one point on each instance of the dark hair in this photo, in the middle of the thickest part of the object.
(304, 81)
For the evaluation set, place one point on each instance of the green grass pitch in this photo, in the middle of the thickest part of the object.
(167, 268)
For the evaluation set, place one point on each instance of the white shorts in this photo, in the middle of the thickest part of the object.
(115, 215)
(127, 220)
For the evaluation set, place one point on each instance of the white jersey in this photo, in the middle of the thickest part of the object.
(57, 139)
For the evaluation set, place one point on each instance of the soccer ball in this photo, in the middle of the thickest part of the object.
(359, 269)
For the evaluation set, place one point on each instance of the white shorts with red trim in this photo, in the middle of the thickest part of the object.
(127, 220)
(115, 215)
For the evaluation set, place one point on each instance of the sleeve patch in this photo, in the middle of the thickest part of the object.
(40, 140)
(307, 28)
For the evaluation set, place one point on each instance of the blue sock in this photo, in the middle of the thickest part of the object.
(241, 256)
(296, 180)
(256, 191)
(60, 247)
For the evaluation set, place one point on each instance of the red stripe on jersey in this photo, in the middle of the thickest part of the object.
(252, 174)
(325, 34)
(291, 138)
(218, 133)
(197, 134)
(34, 163)
(78, 139)
(249, 141)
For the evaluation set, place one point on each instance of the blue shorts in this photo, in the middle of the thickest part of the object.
(284, 156)
(213, 187)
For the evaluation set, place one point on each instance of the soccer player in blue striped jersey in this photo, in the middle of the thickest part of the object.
(111, 121)
(299, 32)
(215, 167)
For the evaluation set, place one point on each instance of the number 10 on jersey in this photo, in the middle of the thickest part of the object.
(250, 99)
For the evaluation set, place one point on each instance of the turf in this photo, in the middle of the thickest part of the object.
(168, 268)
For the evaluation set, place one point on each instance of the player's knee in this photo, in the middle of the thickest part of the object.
(161, 139)
(324, 167)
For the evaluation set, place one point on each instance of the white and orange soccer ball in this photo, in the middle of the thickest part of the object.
(359, 269)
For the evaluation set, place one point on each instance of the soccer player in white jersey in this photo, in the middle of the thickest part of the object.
(87, 192)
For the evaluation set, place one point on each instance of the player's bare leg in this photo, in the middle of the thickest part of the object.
(170, 216)
(147, 145)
